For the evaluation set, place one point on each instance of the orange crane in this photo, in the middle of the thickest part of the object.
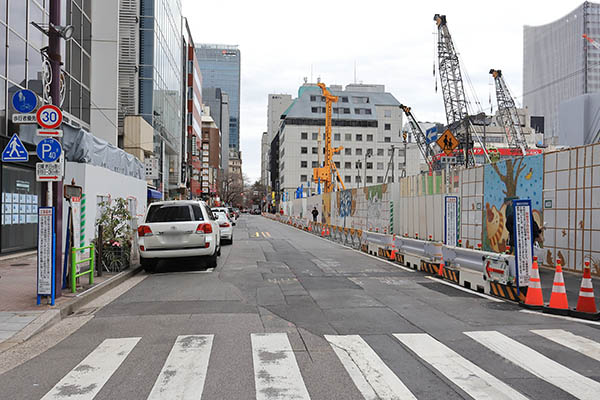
(326, 174)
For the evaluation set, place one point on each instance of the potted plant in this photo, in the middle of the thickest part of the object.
(117, 234)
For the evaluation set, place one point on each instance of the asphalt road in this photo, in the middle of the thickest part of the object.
(287, 315)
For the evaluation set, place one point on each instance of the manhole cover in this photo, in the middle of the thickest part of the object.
(19, 265)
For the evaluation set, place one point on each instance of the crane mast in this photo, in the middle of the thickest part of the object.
(325, 174)
(419, 136)
(508, 115)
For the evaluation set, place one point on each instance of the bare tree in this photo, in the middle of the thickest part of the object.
(514, 168)
(232, 188)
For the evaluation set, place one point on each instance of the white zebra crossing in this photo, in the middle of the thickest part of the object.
(276, 372)
(372, 377)
(578, 343)
(89, 376)
(539, 365)
(182, 377)
(463, 373)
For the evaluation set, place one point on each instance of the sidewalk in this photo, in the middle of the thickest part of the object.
(18, 308)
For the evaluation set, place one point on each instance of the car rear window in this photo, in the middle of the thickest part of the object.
(169, 213)
(197, 213)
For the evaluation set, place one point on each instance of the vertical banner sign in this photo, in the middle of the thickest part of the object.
(45, 270)
(76, 214)
(523, 240)
(451, 221)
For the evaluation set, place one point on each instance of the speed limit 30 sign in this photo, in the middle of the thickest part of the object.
(49, 116)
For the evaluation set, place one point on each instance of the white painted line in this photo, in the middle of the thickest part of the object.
(183, 374)
(463, 373)
(89, 376)
(372, 377)
(276, 373)
(578, 343)
(455, 286)
(539, 365)
(583, 321)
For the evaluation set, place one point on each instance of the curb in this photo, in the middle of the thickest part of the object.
(53, 316)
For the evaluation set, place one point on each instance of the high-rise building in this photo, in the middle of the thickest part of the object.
(276, 106)
(558, 65)
(211, 153)
(220, 66)
(218, 103)
(160, 86)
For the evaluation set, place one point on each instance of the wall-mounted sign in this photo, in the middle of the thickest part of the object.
(45, 270)
(523, 240)
(451, 221)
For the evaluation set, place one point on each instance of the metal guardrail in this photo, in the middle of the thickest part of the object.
(75, 263)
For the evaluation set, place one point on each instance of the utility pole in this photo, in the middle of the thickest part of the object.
(56, 188)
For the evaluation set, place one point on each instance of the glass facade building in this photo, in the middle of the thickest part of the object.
(21, 67)
(558, 64)
(160, 84)
(220, 66)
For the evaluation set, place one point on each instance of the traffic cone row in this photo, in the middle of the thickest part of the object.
(393, 252)
(441, 268)
(535, 298)
(558, 298)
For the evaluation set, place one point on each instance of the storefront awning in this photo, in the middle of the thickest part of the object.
(154, 194)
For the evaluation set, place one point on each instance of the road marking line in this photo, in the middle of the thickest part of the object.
(372, 377)
(578, 343)
(463, 373)
(583, 321)
(276, 372)
(184, 372)
(485, 296)
(539, 365)
(89, 376)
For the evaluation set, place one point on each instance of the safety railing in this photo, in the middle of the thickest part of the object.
(75, 263)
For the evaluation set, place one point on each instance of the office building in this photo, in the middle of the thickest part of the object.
(220, 66)
(276, 106)
(367, 123)
(558, 65)
(211, 154)
(218, 103)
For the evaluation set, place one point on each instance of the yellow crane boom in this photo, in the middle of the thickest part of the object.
(325, 174)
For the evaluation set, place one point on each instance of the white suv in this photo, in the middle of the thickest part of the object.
(181, 228)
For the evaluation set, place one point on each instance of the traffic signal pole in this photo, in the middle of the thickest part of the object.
(56, 188)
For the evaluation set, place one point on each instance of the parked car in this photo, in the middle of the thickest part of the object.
(225, 225)
(228, 211)
(178, 229)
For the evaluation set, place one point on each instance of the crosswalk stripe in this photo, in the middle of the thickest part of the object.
(463, 373)
(85, 380)
(372, 377)
(578, 343)
(538, 364)
(183, 374)
(276, 372)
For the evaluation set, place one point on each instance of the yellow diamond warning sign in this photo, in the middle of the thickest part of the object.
(447, 142)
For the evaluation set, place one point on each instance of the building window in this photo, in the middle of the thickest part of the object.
(348, 137)
(369, 138)
(303, 178)
(336, 136)
(380, 179)
(400, 165)
(304, 135)
(347, 179)
(387, 139)
(344, 99)
(387, 127)
(303, 150)
(369, 165)
(360, 100)
(368, 111)
(379, 152)
(358, 165)
(303, 164)
(315, 136)
(369, 179)
(348, 151)
(347, 165)
(313, 98)
(359, 152)
(314, 109)
(346, 111)
(315, 164)
(359, 138)
(357, 179)
(390, 152)
(387, 113)
(315, 150)
(380, 165)
(337, 164)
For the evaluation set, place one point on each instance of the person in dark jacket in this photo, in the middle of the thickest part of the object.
(315, 214)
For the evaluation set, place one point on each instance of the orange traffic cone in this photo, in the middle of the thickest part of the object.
(441, 268)
(393, 252)
(558, 298)
(586, 302)
(534, 298)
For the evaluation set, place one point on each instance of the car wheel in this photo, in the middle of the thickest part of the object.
(211, 261)
(149, 265)
(231, 240)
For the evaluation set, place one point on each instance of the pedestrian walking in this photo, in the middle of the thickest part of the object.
(315, 214)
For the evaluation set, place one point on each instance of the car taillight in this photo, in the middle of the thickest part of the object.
(144, 230)
(224, 225)
(204, 228)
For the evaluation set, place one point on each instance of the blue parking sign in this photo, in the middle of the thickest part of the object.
(48, 150)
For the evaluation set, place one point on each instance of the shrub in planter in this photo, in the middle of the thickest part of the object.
(117, 234)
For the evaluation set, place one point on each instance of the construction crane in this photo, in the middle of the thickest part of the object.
(453, 91)
(419, 136)
(326, 174)
(508, 115)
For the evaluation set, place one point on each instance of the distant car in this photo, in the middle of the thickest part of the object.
(177, 229)
(225, 225)
(255, 211)
(232, 214)
(227, 211)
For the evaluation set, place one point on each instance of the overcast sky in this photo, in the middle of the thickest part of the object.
(391, 42)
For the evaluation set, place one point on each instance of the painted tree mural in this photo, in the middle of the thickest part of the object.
(514, 168)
